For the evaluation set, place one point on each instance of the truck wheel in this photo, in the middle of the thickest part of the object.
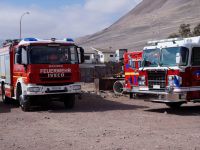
(5, 99)
(69, 102)
(131, 95)
(23, 102)
(174, 105)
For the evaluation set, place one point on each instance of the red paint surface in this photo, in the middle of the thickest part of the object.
(136, 58)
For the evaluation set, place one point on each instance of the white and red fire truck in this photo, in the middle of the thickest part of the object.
(171, 70)
(44, 70)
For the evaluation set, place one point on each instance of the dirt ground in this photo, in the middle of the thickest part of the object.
(103, 122)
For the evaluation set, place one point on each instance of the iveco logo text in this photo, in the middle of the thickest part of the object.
(60, 75)
(47, 71)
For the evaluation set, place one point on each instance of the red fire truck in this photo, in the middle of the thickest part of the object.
(171, 71)
(132, 63)
(44, 70)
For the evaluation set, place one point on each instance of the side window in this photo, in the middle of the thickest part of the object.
(18, 54)
(139, 64)
(74, 55)
(132, 64)
(87, 57)
(196, 56)
(15, 61)
(21, 56)
(24, 56)
(184, 53)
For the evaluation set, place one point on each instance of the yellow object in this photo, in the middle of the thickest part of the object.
(131, 74)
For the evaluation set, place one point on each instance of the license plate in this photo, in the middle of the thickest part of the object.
(56, 88)
(156, 86)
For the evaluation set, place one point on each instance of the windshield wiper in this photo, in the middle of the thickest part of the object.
(149, 65)
(161, 64)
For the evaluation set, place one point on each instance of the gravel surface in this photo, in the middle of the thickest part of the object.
(104, 122)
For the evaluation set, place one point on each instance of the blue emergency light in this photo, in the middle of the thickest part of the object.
(30, 39)
(69, 40)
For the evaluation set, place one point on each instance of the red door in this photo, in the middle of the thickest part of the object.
(195, 74)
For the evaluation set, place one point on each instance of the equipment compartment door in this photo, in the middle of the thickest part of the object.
(195, 74)
(5, 67)
(7, 64)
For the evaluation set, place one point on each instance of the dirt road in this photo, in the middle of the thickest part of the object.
(96, 123)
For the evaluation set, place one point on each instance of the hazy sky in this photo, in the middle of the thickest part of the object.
(60, 18)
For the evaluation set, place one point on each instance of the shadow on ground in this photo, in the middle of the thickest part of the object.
(88, 103)
(182, 111)
(93, 103)
(6, 108)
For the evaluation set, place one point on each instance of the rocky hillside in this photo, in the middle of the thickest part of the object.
(150, 20)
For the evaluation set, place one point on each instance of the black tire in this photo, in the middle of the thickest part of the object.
(69, 102)
(5, 99)
(174, 105)
(45, 104)
(131, 96)
(23, 102)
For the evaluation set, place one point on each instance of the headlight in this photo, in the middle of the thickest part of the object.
(76, 87)
(171, 80)
(34, 89)
(141, 83)
(141, 80)
(174, 80)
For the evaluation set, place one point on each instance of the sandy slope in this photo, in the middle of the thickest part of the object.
(151, 19)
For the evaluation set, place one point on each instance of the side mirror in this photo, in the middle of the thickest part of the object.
(81, 55)
(178, 59)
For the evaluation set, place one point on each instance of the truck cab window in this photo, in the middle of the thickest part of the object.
(17, 53)
(87, 57)
(139, 64)
(168, 56)
(132, 64)
(196, 56)
(21, 56)
(53, 55)
(24, 56)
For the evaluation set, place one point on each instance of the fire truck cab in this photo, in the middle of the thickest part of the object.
(46, 70)
(132, 63)
(171, 71)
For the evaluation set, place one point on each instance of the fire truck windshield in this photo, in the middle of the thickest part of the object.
(168, 56)
(53, 55)
(151, 57)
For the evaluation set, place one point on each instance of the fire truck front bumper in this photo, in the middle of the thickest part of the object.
(36, 90)
(131, 90)
(168, 96)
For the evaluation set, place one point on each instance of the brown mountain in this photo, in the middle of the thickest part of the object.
(149, 20)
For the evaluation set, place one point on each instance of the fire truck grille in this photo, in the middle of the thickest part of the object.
(157, 80)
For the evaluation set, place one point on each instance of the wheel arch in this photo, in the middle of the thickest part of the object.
(20, 83)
